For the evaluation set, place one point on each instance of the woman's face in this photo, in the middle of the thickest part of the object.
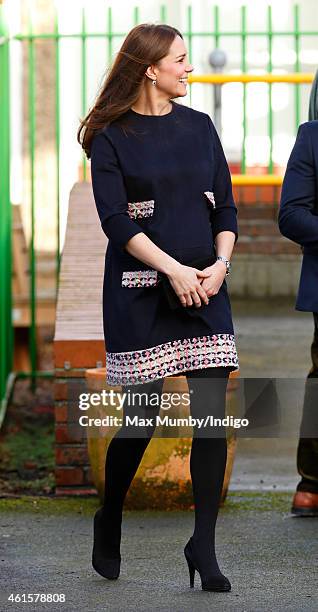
(171, 69)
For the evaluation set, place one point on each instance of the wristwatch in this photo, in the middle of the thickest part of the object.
(227, 263)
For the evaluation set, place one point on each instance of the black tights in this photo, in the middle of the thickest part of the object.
(207, 388)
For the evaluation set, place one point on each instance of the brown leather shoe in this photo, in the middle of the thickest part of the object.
(305, 504)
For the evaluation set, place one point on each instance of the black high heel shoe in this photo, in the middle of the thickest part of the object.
(211, 583)
(106, 567)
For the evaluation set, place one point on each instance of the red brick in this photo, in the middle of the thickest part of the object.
(258, 227)
(60, 390)
(71, 455)
(278, 192)
(67, 412)
(267, 193)
(235, 167)
(69, 476)
(68, 433)
(77, 491)
(258, 211)
(236, 193)
(249, 194)
(267, 247)
(61, 413)
(69, 389)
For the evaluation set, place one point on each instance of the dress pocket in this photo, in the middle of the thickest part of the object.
(210, 196)
(139, 278)
(139, 210)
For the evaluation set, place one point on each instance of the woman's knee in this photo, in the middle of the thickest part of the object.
(208, 406)
(141, 406)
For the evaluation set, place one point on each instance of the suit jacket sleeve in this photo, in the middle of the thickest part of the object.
(224, 215)
(296, 218)
(110, 193)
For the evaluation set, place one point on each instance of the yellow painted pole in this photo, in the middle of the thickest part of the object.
(297, 77)
(257, 179)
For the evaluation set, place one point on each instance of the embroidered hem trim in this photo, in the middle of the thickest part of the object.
(210, 196)
(175, 357)
(138, 210)
(139, 278)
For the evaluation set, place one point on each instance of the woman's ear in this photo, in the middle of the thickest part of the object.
(150, 73)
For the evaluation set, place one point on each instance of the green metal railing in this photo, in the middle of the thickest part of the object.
(213, 33)
(6, 329)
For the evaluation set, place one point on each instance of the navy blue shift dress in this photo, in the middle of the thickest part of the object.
(169, 179)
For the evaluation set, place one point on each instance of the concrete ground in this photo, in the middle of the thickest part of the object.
(269, 556)
(273, 340)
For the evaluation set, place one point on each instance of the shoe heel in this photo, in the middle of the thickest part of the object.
(191, 571)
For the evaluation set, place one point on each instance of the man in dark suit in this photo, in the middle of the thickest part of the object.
(298, 221)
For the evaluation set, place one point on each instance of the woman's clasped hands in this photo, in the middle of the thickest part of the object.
(194, 286)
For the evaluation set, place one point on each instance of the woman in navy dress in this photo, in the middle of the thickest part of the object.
(163, 193)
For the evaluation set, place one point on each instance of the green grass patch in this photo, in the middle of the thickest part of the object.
(237, 501)
(27, 459)
(32, 443)
(259, 501)
(49, 505)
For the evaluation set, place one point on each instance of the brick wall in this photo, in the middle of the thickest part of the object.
(72, 470)
(265, 263)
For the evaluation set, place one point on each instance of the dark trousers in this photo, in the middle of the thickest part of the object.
(307, 452)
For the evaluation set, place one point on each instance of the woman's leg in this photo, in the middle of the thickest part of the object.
(208, 459)
(123, 457)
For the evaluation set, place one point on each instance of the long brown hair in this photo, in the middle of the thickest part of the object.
(144, 45)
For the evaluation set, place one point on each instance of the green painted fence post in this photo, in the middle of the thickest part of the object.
(6, 329)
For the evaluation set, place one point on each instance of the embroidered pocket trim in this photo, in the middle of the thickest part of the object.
(139, 210)
(210, 196)
(139, 278)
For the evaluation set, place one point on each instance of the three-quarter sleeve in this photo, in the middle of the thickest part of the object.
(110, 192)
(224, 215)
(296, 217)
